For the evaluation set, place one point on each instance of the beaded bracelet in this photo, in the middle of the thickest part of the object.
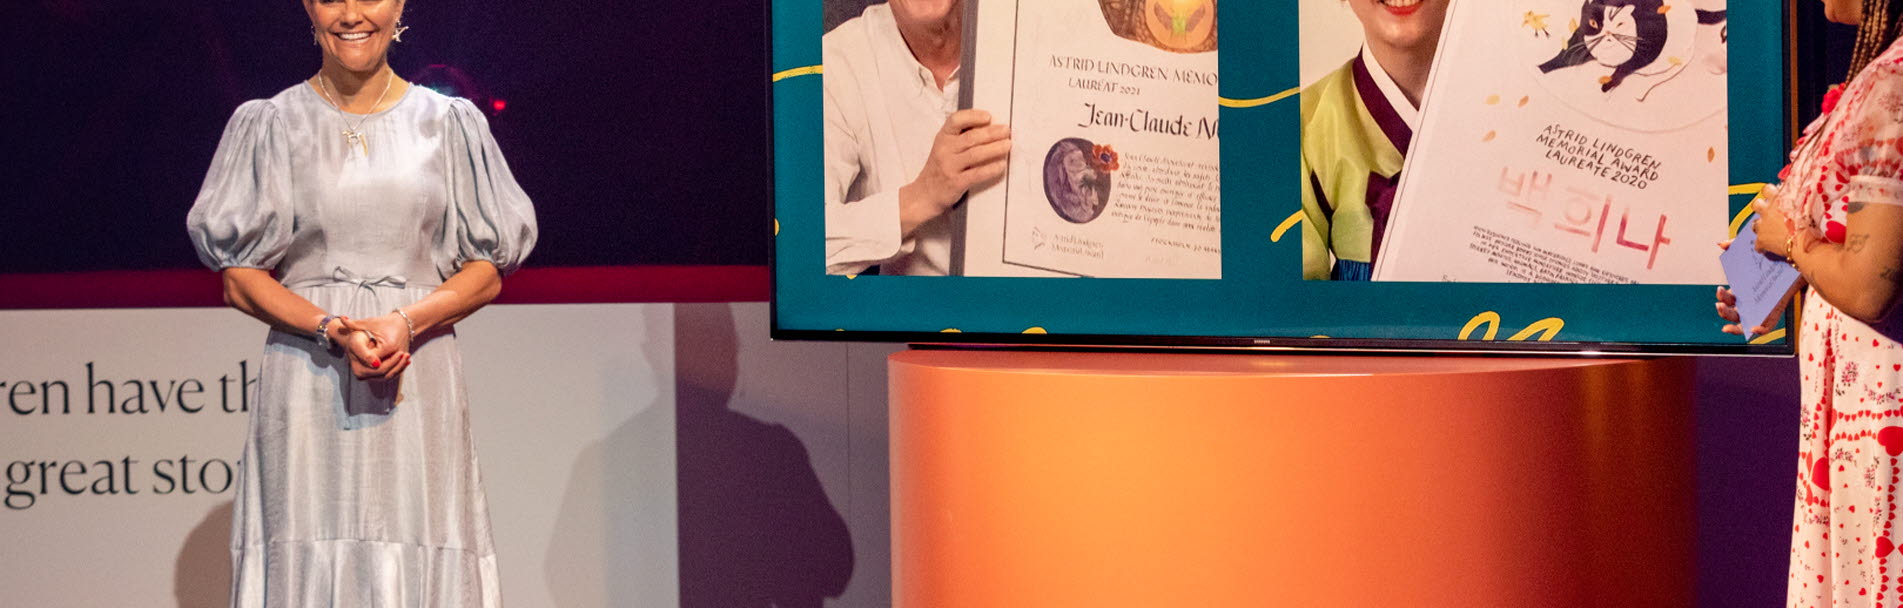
(407, 323)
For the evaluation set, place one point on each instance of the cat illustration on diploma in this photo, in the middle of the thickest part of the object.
(1625, 35)
(1632, 37)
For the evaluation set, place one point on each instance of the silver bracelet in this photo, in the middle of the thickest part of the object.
(407, 323)
(323, 331)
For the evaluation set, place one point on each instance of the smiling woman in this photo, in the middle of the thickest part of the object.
(387, 214)
(356, 35)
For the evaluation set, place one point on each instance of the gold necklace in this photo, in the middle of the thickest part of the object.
(354, 135)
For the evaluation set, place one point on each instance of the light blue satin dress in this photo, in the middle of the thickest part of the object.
(360, 493)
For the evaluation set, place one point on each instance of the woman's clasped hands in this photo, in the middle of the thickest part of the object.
(378, 348)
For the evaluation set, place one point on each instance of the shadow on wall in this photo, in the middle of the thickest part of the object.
(613, 542)
(203, 573)
(756, 527)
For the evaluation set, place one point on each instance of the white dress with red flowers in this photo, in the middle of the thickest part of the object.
(1850, 459)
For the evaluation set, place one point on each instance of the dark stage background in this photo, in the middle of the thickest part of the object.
(639, 129)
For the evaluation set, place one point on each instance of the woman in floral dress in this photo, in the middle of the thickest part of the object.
(1838, 217)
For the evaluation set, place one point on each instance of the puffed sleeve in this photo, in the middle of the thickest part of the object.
(1872, 156)
(490, 218)
(243, 218)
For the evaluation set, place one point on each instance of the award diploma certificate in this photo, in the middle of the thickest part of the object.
(1115, 162)
(1568, 141)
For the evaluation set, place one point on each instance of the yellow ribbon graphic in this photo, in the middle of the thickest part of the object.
(785, 74)
(1548, 328)
(1259, 101)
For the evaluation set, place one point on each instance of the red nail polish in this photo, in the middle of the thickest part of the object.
(376, 364)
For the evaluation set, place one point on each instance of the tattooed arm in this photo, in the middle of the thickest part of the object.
(1863, 277)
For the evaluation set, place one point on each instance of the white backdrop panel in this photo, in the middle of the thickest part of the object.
(579, 421)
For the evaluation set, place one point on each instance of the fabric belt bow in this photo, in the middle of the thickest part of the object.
(343, 275)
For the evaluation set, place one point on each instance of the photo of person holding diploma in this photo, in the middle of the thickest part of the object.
(899, 153)
(1356, 124)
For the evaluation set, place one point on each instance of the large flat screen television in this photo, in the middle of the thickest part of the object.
(1484, 175)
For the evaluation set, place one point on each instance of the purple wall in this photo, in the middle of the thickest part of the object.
(1747, 455)
(1747, 413)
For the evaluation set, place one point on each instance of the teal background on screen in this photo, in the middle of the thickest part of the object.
(1261, 294)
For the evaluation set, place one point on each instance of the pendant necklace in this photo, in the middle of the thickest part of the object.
(354, 135)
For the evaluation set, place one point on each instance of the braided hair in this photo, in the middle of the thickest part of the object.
(1880, 27)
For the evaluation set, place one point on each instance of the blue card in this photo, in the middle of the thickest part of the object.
(1762, 282)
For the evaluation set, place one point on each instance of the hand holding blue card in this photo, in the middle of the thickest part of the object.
(1762, 283)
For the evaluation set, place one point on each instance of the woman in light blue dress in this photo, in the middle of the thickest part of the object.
(386, 213)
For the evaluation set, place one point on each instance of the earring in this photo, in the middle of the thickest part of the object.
(313, 35)
(398, 35)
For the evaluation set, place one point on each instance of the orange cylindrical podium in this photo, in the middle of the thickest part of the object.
(1126, 479)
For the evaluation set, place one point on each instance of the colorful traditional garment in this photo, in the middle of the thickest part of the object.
(1355, 130)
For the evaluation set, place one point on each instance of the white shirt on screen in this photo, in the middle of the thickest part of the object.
(882, 110)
